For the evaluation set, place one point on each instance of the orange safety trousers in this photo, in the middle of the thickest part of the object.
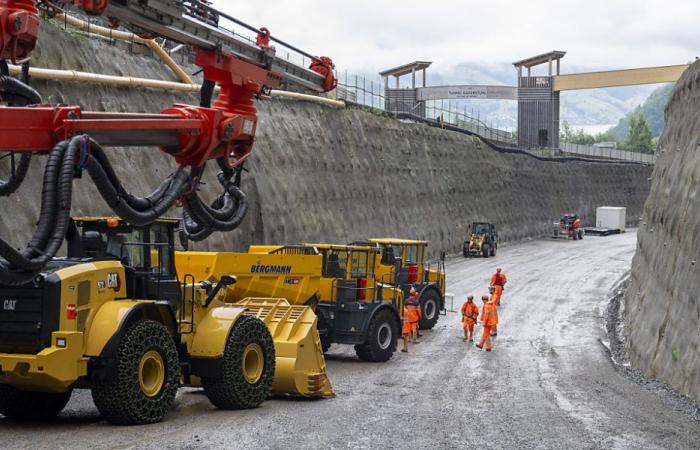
(486, 337)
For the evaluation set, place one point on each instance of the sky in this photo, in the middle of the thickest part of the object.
(365, 36)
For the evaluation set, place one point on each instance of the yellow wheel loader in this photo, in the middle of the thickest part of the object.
(483, 240)
(337, 281)
(403, 263)
(115, 318)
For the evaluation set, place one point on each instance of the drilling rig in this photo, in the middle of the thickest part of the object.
(114, 316)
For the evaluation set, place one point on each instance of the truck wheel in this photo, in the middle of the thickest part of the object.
(430, 309)
(146, 378)
(485, 251)
(325, 344)
(580, 235)
(465, 253)
(493, 250)
(382, 338)
(26, 405)
(248, 368)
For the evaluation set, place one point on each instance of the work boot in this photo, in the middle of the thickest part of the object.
(488, 349)
(465, 339)
(479, 345)
(405, 350)
(416, 342)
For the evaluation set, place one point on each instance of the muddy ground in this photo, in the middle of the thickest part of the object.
(549, 384)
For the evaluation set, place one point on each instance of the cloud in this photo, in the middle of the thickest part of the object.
(368, 36)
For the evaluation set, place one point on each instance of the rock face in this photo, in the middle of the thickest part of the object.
(663, 298)
(323, 174)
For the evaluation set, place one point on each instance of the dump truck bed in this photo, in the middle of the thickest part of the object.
(292, 277)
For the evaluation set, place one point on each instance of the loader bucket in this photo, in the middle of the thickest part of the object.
(300, 366)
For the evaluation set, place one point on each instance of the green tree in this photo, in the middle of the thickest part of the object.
(639, 136)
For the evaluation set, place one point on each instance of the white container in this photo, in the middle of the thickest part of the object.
(612, 217)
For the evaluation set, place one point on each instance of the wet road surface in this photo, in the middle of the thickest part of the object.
(549, 383)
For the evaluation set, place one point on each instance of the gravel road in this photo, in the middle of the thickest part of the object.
(549, 383)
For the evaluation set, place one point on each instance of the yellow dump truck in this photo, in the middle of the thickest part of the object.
(402, 263)
(115, 318)
(337, 281)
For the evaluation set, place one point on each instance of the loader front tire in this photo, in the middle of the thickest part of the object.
(248, 367)
(26, 405)
(382, 338)
(146, 378)
(485, 251)
(430, 309)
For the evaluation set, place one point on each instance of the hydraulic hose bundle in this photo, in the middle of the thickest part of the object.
(16, 93)
(69, 159)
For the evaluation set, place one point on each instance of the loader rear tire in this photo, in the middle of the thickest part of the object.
(430, 309)
(383, 335)
(146, 379)
(485, 251)
(26, 405)
(248, 367)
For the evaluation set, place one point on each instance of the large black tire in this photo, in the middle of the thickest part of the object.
(322, 327)
(26, 405)
(493, 249)
(429, 308)
(485, 250)
(382, 336)
(146, 379)
(248, 367)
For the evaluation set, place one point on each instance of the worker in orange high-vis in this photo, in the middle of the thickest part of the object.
(411, 316)
(470, 313)
(489, 317)
(496, 298)
(498, 281)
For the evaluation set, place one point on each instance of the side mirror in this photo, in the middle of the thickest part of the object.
(184, 240)
(225, 280)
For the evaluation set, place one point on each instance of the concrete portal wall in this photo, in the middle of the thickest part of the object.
(323, 174)
(663, 299)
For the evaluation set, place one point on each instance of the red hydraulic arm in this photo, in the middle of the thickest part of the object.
(191, 134)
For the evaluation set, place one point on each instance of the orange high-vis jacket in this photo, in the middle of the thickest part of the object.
(489, 314)
(411, 313)
(497, 292)
(499, 279)
(469, 311)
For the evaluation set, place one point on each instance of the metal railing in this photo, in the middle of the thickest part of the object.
(607, 153)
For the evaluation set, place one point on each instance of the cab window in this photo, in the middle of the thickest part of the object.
(359, 264)
(160, 249)
(412, 254)
(128, 247)
(335, 264)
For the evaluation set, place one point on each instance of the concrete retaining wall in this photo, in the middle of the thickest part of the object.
(321, 174)
(663, 299)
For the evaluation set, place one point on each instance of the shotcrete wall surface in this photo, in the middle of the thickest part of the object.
(662, 304)
(323, 174)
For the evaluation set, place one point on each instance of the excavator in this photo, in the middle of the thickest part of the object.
(114, 316)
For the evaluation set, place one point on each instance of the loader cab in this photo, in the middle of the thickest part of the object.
(348, 273)
(403, 263)
(145, 251)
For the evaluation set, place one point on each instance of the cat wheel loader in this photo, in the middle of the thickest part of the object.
(337, 281)
(483, 240)
(114, 317)
(402, 263)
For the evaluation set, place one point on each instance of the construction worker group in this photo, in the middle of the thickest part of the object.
(489, 312)
(470, 314)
